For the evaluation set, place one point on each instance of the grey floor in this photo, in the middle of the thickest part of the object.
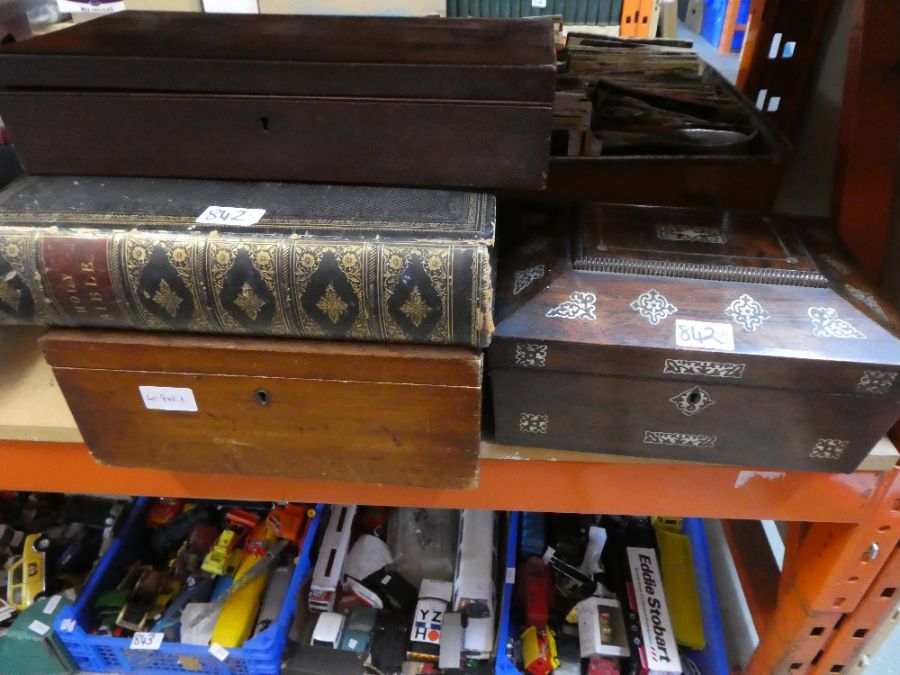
(726, 64)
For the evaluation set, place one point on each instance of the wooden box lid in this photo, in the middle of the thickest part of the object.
(680, 293)
(419, 58)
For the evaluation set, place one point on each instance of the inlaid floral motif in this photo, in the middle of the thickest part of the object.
(524, 278)
(747, 313)
(653, 306)
(578, 306)
(531, 355)
(532, 423)
(829, 448)
(826, 323)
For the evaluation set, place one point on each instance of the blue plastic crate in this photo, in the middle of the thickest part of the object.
(260, 655)
(714, 22)
(712, 660)
(502, 662)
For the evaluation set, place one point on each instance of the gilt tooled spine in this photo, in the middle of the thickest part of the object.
(387, 291)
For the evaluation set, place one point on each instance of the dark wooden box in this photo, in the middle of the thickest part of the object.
(748, 180)
(693, 335)
(462, 102)
(354, 412)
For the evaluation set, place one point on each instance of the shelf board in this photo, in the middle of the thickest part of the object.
(540, 485)
(42, 450)
(32, 407)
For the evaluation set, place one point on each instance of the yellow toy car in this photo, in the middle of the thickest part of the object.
(26, 578)
(216, 561)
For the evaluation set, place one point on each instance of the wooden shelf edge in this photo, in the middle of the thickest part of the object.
(649, 488)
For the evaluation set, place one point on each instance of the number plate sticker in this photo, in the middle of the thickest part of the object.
(151, 641)
(230, 215)
(704, 334)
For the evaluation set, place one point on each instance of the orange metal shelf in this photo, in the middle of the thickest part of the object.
(620, 487)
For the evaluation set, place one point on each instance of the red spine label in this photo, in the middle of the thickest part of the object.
(76, 273)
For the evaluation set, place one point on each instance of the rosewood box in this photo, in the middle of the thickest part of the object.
(316, 410)
(460, 102)
(693, 335)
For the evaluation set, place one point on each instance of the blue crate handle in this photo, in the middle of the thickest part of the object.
(712, 659)
(502, 663)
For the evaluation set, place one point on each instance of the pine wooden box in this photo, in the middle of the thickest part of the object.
(317, 410)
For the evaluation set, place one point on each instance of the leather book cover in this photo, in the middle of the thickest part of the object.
(280, 259)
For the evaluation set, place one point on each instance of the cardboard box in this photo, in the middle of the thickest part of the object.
(694, 17)
(358, 7)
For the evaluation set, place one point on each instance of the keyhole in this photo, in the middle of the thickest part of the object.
(264, 121)
(262, 396)
(694, 397)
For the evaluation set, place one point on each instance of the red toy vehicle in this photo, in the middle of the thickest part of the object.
(537, 588)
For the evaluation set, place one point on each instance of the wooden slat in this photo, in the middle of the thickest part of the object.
(866, 163)
(801, 22)
(756, 567)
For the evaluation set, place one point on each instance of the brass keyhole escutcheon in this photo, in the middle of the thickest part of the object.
(261, 396)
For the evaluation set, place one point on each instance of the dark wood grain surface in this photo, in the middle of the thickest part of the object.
(449, 103)
(598, 357)
(330, 411)
(745, 426)
(486, 59)
(348, 140)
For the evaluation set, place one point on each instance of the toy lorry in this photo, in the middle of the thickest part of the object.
(539, 651)
(335, 544)
(240, 524)
(425, 636)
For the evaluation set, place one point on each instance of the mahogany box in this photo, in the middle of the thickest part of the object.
(749, 179)
(358, 412)
(414, 101)
(693, 335)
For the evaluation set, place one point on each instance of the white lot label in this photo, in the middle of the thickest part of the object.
(68, 6)
(539, 4)
(704, 334)
(38, 627)
(168, 398)
(230, 215)
(151, 641)
(218, 651)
